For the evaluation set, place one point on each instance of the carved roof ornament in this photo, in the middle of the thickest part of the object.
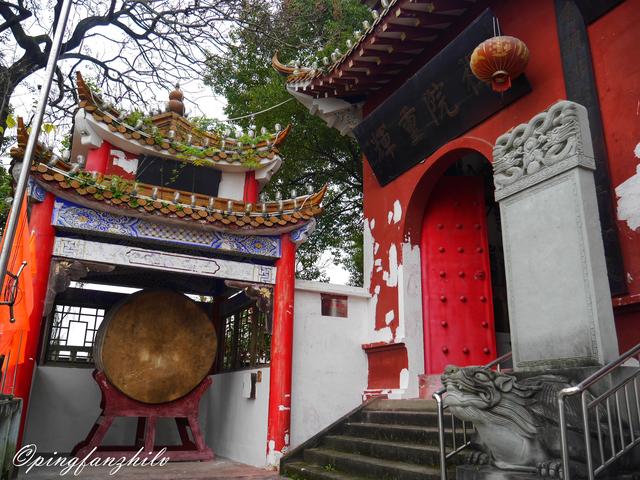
(550, 143)
(176, 104)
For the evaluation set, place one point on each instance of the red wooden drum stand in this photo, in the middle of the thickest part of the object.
(116, 404)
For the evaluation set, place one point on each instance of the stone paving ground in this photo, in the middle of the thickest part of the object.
(217, 469)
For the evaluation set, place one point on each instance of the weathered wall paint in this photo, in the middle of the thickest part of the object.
(628, 193)
(614, 39)
(386, 361)
(386, 261)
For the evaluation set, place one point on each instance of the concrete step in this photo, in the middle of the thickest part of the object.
(368, 466)
(397, 433)
(400, 417)
(412, 404)
(305, 471)
(395, 451)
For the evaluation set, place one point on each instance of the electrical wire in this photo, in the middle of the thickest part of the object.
(256, 113)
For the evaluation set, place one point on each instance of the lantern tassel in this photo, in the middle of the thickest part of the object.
(500, 82)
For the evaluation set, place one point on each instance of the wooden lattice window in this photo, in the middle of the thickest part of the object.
(73, 333)
(246, 341)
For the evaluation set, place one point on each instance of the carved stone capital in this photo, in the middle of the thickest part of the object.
(552, 142)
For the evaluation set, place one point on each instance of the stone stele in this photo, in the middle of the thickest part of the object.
(559, 300)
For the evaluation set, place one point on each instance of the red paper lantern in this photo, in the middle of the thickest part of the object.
(498, 60)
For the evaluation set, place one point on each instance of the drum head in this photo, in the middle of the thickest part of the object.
(156, 346)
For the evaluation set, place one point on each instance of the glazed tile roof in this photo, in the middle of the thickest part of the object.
(135, 199)
(173, 135)
(398, 34)
(138, 197)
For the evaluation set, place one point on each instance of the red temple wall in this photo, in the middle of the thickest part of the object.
(33, 243)
(394, 212)
(618, 82)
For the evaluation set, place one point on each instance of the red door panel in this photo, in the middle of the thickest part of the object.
(456, 276)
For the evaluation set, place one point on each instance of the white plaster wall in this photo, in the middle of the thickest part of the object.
(329, 365)
(231, 185)
(236, 427)
(65, 403)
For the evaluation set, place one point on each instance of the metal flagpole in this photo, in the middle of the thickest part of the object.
(21, 186)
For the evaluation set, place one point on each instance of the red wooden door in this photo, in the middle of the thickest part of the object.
(457, 302)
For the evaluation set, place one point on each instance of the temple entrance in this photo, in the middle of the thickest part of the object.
(464, 292)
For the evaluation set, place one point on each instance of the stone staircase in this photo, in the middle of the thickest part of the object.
(385, 440)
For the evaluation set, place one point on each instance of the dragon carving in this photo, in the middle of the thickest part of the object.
(516, 420)
(547, 139)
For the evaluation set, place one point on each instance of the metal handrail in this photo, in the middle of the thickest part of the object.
(11, 291)
(609, 454)
(439, 397)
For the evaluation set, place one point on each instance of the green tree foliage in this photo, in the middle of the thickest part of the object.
(314, 154)
(6, 191)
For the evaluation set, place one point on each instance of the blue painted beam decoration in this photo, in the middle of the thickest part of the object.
(439, 103)
(69, 216)
(35, 191)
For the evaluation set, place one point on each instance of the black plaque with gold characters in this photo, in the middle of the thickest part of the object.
(437, 104)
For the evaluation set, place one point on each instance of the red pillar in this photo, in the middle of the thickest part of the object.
(281, 352)
(41, 246)
(42, 237)
(98, 158)
(250, 188)
(33, 243)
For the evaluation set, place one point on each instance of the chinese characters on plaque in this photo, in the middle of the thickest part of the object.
(439, 103)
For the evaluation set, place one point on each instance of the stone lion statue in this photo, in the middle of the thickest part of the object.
(516, 420)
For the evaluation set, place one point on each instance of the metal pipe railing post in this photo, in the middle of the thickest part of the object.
(21, 187)
(439, 398)
(587, 432)
(563, 435)
(443, 455)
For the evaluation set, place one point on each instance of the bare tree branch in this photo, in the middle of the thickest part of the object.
(133, 47)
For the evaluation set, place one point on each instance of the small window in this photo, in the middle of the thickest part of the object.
(73, 333)
(334, 305)
(246, 341)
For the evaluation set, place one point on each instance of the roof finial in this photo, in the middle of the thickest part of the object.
(175, 103)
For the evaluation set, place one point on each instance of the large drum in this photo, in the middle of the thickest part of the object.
(156, 346)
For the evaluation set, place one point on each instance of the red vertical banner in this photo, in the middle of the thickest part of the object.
(279, 421)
